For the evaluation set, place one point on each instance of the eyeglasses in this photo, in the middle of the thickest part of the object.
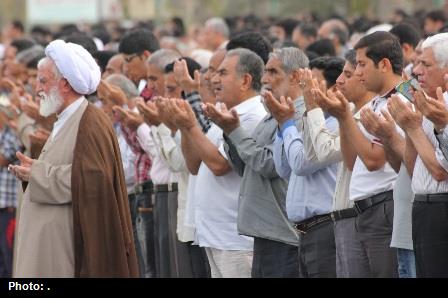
(129, 58)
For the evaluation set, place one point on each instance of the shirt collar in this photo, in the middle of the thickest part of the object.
(247, 105)
(71, 108)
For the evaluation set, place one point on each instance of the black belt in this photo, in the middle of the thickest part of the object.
(304, 226)
(143, 187)
(368, 203)
(343, 214)
(432, 198)
(165, 187)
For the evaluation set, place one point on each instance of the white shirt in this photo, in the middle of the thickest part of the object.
(422, 180)
(128, 158)
(170, 151)
(365, 184)
(65, 115)
(216, 198)
(160, 172)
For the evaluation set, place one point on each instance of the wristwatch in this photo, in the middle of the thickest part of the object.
(439, 131)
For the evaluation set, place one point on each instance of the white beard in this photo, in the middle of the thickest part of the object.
(50, 103)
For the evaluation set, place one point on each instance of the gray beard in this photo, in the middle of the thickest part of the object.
(49, 104)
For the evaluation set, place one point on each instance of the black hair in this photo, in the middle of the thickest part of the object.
(253, 41)
(192, 66)
(436, 15)
(331, 68)
(406, 33)
(18, 25)
(288, 25)
(383, 45)
(22, 44)
(179, 29)
(307, 30)
(83, 40)
(350, 57)
(138, 41)
(322, 47)
(102, 58)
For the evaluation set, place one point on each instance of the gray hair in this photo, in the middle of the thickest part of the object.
(249, 63)
(218, 25)
(162, 58)
(45, 61)
(125, 84)
(291, 58)
(439, 44)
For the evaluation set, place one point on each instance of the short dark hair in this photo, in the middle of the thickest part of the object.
(406, 33)
(138, 41)
(253, 41)
(83, 40)
(436, 15)
(331, 68)
(192, 66)
(22, 44)
(103, 57)
(288, 25)
(307, 30)
(322, 47)
(18, 25)
(179, 29)
(383, 45)
(350, 57)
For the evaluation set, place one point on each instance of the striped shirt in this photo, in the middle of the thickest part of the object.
(9, 145)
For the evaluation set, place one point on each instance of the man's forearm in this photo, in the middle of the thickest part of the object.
(394, 147)
(207, 151)
(192, 158)
(426, 151)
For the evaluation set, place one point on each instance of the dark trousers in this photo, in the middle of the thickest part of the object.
(143, 225)
(317, 252)
(374, 233)
(7, 227)
(430, 236)
(273, 259)
(162, 235)
(186, 260)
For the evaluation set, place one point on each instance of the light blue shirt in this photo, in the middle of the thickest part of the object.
(311, 183)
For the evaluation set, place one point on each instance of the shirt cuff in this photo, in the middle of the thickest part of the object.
(143, 131)
(286, 125)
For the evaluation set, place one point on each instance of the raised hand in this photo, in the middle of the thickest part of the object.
(334, 103)
(308, 83)
(150, 112)
(227, 120)
(403, 114)
(40, 136)
(164, 113)
(433, 109)
(382, 127)
(182, 114)
(110, 93)
(22, 171)
(183, 78)
(31, 108)
(282, 110)
(130, 119)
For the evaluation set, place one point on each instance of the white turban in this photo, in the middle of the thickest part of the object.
(76, 65)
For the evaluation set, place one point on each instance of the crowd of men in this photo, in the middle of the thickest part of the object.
(287, 150)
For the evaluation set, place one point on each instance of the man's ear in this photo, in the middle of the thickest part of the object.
(294, 77)
(246, 82)
(385, 65)
(146, 54)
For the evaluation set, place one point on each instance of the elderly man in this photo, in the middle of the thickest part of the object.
(74, 220)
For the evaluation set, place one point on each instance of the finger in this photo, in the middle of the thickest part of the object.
(440, 96)
(197, 77)
(234, 114)
(290, 103)
(23, 158)
(387, 115)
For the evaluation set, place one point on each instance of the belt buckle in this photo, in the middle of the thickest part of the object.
(333, 216)
(357, 208)
(296, 226)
